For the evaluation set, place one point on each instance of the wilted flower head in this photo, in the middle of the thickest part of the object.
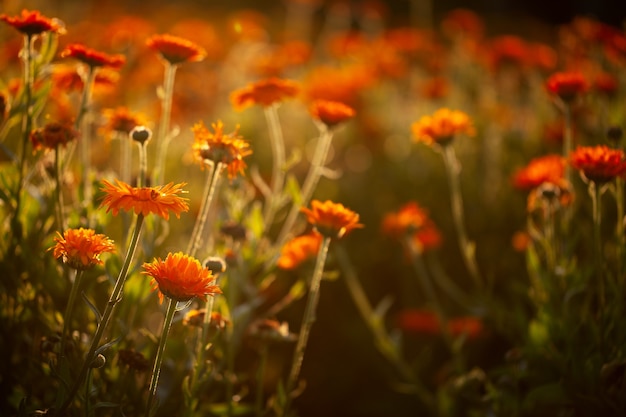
(228, 149)
(331, 113)
(599, 164)
(547, 168)
(176, 50)
(264, 93)
(567, 85)
(33, 23)
(331, 219)
(299, 250)
(81, 248)
(92, 57)
(181, 277)
(53, 134)
(145, 200)
(442, 127)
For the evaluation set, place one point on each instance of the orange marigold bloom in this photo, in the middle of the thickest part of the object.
(32, 23)
(567, 85)
(599, 164)
(331, 113)
(508, 50)
(176, 50)
(122, 120)
(463, 22)
(331, 219)
(81, 248)
(442, 126)
(548, 168)
(92, 57)
(410, 218)
(470, 327)
(53, 134)
(180, 277)
(299, 250)
(229, 149)
(426, 322)
(264, 92)
(158, 200)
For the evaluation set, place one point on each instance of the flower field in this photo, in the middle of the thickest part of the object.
(313, 208)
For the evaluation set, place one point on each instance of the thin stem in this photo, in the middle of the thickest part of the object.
(126, 155)
(198, 229)
(143, 165)
(278, 163)
(466, 246)
(307, 322)
(116, 296)
(58, 192)
(619, 229)
(567, 140)
(595, 193)
(69, 309)
(164, 122)
(258, 402)
(156, 371)
(310, 182)
(82, 123)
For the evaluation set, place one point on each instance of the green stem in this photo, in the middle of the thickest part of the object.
(83, 124)
(126, 154)
(307, 322)
(69, 309)
(58, 192)
(278, 163)
(156, 371)
(619, 229)
(595, 193)
(143, 164)
(258, 402)
(164, 123)
(567, 140)
(466, 246)
(196, 235)
(116, 296)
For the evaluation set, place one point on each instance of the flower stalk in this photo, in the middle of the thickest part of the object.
(209, 191)
(278, 163)
(58, 191)
(163, 138)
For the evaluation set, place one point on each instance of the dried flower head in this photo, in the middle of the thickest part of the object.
(264, 93)
(599, 164)
(228, 149)
(176, 50)
(180, 277)
(53, 134)
(32, 23)
(331, 219)
(159, 200)
(442, 127)
(331, 113)
(92, 57)
(547, 168)
(299, 250)
(81, 248)
(567, 85)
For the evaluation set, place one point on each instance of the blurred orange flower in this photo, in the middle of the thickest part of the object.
(507, 50)
(176, 50)
(229, 149)
(442, 127)
(33, 23)
(92, 57)
(264, 93)
(426, 322)
(81, 248)
(463, 22)
(180, 277)
(567, 85)
(547, 168)
(599, 164)
(606, 83)
(331, 219)
(145, 200)
(412, 221)
(122, 120)
(298, 250)
(53, 134)
(331, 113)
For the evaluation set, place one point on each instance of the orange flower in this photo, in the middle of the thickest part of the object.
(180, 277)
(122, 120)
(331, 113)
(331, 219)
(426, 322)
(68, 79)
(599, 164)
(606, 83)
(93, 58)
(508, 50)
(548, 168)
(412, 220)
(32, 23)
(470, 327)
(426, 238)
(53, 134)
(158, 200)
(299, 250)
(81, 248)
(463, 22)
(442, 126)
(176, 50)
(229, 149)
(567, 85)
(264, 92)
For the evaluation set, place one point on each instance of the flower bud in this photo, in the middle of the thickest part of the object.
(215, 264)
(141, 134)
(98, 362)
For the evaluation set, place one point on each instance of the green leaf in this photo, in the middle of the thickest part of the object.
(92, 307)
(298, 289)
(254, 221)
(292, 188)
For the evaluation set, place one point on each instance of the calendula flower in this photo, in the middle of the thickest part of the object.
(331, 113)
(508, 50)
(442, 127)
(426, 322)
(216, 146)
(159, 200)
(122, 120)
(264, 93)
(299, 250)
(180, 277)
(176, 50)
(548, 168)
(32, 23)
(567, 85)
(599, 164)
(81, 248)
(53, 134)
(92, 57)
(412, 221)
(331, 219)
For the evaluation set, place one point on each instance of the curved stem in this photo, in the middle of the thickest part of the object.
(307, 321)
(198, 229)
(156, 371)
(164, 122)
(69, 309)
(278, 163)
(116, 296)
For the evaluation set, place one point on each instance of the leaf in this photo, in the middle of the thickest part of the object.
(292, 189)
(92, 307)
(106, 346)
(298, 289)
(254, 221)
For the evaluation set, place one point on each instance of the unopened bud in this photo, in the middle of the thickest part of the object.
(215, 264)
(98, 362)
(141, 134)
